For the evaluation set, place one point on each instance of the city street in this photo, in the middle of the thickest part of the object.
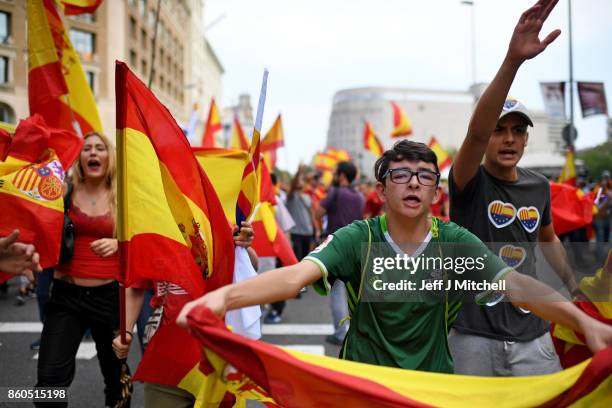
(306, 322)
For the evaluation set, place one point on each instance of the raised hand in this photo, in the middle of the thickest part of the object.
(525, 43)
(16, 257)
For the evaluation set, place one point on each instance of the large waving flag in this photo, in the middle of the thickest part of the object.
(570, 207)
(213, 126)
(401, 124)
(57, 87)
(568, 173)
(444, 159)
(370, 140)
(72, 7)
(597, 303)
(239, 139)
(170, 222)
(32, 170)
(326, 161)
(295, 379)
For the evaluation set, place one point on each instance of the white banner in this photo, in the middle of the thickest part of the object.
(553, 94)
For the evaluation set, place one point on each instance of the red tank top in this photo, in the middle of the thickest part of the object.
(85, 263)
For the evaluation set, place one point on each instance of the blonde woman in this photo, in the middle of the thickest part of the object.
(85, 291)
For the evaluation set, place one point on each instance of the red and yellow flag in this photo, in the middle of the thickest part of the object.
(401, 124)
(239, 139)
(326, 162)
(224, 168)
(35, 161)
(213, 126)
(370, 140)
(275, 137)
(57, 87)
(570, 207)
(273, 140)
(597, 303)
(72, 7)
(296, 379)
(568, 173)
(171, 225)
(250, 190)
(444, 159)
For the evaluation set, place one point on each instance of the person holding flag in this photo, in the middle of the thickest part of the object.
(509, 206)
(411, 335)
(85, 291)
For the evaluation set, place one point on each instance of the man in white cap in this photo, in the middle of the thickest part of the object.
(508, 207)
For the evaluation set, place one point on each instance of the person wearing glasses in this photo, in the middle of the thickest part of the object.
(398, 329)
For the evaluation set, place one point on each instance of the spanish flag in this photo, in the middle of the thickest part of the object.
(35, 162)
(171, 225)
(275, 137)
(370, 141)
(224, 168)
(57, 87)
(239, 139)
(73, 7)
(326, 161)
(294, 379)
(444, 159)
(401, 123)
(568, 173)
(213, 126)
(597, 303)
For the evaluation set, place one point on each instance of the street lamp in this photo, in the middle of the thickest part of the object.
(473, 34)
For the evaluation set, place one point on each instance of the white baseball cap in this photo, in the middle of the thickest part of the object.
(512, 105)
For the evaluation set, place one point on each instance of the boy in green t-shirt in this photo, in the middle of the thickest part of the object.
(403, 328)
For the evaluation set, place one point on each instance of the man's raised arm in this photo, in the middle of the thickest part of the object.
(525, 44)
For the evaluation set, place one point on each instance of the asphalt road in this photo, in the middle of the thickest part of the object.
(19, 326)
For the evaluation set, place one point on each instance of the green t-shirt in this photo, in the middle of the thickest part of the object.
(404, 329)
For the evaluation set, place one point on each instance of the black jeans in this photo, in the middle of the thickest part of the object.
(301, 245)
(69, 313)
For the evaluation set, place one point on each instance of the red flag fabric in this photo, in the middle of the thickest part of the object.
(571, 208)
(172, 226)
(74, 7)
(31, 180)
(296, 379)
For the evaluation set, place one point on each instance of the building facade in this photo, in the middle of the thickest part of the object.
(439, 113)
(183, 68)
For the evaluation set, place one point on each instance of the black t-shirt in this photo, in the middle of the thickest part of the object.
(507, 217)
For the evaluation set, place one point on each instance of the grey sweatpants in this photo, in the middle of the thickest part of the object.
(482, 356)
(339, 308)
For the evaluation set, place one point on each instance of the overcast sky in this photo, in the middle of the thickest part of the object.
(314, 48)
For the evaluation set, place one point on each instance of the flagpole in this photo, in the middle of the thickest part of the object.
(262, 101)
(121, 191)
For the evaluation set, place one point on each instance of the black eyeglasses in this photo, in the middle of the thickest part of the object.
(403, 176)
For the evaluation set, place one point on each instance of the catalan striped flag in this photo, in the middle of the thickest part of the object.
(171, 225)
(444, 159)
(250, 190)
(568, 173)
(213, 126)
(401, 124)
(295, 379)
(31, 176)
(57, 87)
(224, 168)
(239, 139)
(73, 7)
(370, 140)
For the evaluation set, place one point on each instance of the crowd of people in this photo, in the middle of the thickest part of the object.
(407, 209)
